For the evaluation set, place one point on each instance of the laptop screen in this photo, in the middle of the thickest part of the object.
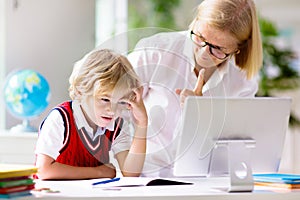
(261, 123)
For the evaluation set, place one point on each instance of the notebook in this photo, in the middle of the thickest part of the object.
(286, 181)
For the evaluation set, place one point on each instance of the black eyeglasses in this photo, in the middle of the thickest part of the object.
(213, 49)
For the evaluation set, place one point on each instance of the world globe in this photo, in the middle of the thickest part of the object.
(26, 94)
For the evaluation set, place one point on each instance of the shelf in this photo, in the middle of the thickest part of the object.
(17, 148)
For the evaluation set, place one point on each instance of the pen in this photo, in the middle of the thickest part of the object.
(106, 181)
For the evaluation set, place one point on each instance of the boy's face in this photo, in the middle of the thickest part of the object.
(103, 109)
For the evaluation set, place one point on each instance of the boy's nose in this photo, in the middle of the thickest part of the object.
(112, 108)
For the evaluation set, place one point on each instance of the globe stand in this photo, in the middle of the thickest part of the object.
(24, 127)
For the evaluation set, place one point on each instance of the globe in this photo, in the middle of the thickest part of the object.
(27, 95)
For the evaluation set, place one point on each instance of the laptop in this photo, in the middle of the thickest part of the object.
(259, 124)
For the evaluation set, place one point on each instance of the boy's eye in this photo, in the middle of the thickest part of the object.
(123, 103)
(105, 99)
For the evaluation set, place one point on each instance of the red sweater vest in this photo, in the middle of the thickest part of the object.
(78, 148)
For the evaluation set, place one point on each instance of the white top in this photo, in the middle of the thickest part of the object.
(51, 136)
(164, 63)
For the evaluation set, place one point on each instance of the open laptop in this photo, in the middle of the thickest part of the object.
(260, 123)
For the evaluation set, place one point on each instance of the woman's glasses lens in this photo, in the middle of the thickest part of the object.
(216, 52)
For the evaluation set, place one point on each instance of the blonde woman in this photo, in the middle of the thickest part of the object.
(77, 135)
(220, 55)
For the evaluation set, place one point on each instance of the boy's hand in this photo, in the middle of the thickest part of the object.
(137, 107)
(107, 171)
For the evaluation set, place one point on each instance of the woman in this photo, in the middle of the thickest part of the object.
(220, 55)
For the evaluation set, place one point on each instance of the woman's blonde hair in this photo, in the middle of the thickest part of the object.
(102, 71)
(239, 18)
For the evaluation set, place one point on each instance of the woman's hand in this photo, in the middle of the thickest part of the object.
(197, 91)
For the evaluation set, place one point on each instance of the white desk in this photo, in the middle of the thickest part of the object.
(19, 148)
(203, 188)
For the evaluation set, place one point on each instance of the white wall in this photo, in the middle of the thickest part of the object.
(2, 59)
(47, 36)
(286, 15)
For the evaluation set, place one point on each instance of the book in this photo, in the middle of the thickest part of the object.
(10, 182)
(287, 181)
(278, 185)
(14, 170)
(15, 194)
(129, 182)
(19, 188)
(277, 178)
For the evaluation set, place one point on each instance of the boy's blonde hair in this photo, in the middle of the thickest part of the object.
(239, 18)
(102, 71)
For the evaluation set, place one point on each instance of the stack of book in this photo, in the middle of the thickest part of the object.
(286, 181)
(16, 180)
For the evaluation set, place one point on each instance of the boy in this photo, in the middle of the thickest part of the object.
(75, 138)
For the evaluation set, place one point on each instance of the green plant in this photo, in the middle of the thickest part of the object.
(279, 60)
(158, 16)
(157, 13)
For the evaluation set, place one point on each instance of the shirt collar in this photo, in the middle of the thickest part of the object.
(81, 121)
(217, 76)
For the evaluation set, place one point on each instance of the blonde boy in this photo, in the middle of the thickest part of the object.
(77, 135)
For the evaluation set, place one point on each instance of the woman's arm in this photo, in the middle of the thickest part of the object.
(49, 169)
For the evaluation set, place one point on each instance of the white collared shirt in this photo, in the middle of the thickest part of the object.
(51, 137)
(164, 63)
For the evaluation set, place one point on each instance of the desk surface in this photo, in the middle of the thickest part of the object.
(202, 188)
